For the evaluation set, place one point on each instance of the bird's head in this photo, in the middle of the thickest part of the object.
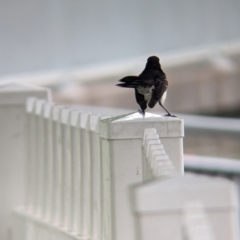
(153, 59)
(153, 62)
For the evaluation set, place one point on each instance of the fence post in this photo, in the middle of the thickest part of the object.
(13, 131)
(121, 141)
(160, 206)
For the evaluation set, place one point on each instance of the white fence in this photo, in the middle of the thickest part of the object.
(79, 169)
(12, 147)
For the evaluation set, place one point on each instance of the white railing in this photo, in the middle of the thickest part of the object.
(80, 166)
(64, 168)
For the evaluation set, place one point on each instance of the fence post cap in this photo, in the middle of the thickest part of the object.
(9, 89)
(130, 126)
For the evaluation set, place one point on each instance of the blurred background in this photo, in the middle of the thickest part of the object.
(81, 48)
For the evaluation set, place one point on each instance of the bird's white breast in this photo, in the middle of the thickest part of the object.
(146, 92)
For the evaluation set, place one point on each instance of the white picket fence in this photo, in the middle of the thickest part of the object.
(80, 167)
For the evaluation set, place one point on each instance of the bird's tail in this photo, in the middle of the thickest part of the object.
(130, 82)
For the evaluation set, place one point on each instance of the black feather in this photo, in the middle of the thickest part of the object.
(152, 81)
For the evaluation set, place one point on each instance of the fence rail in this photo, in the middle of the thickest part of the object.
(80, 166)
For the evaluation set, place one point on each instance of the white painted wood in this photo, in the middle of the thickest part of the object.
(96, 173)
(156, 161)
(76, 171)
(196, 224)
(151, 133)
(13, 147)
(150, 141)
(57, 154)
(28, 227)
(85, 175)
(40, 157)
(66, 168)
(170, 131)
(82, 168)
(30, 141)
(162, 203)
(121, 141)
(49, 168)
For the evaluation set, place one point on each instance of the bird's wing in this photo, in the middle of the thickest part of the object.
(160, 87)
(130, 82)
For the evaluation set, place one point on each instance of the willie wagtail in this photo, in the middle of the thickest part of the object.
(150, 86)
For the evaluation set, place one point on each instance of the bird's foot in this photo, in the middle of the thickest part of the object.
(169, 115)
(141, 112)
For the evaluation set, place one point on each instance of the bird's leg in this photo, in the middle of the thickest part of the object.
(143, 106)
(168, 113)
(141, 112)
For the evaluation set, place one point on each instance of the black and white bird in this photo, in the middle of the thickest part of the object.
(150, 86)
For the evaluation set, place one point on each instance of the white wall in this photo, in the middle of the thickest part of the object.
(42, 34)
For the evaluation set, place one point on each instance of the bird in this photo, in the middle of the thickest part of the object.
(150, 86)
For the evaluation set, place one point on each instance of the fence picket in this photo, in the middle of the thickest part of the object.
(85, 175)
(76, 171)
(39, 139)
(57, 150)
(96, 172)
(48, 125)
(30, 168)
(66, 168)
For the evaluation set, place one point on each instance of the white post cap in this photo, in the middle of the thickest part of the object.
(132, 126)
(8, 92)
